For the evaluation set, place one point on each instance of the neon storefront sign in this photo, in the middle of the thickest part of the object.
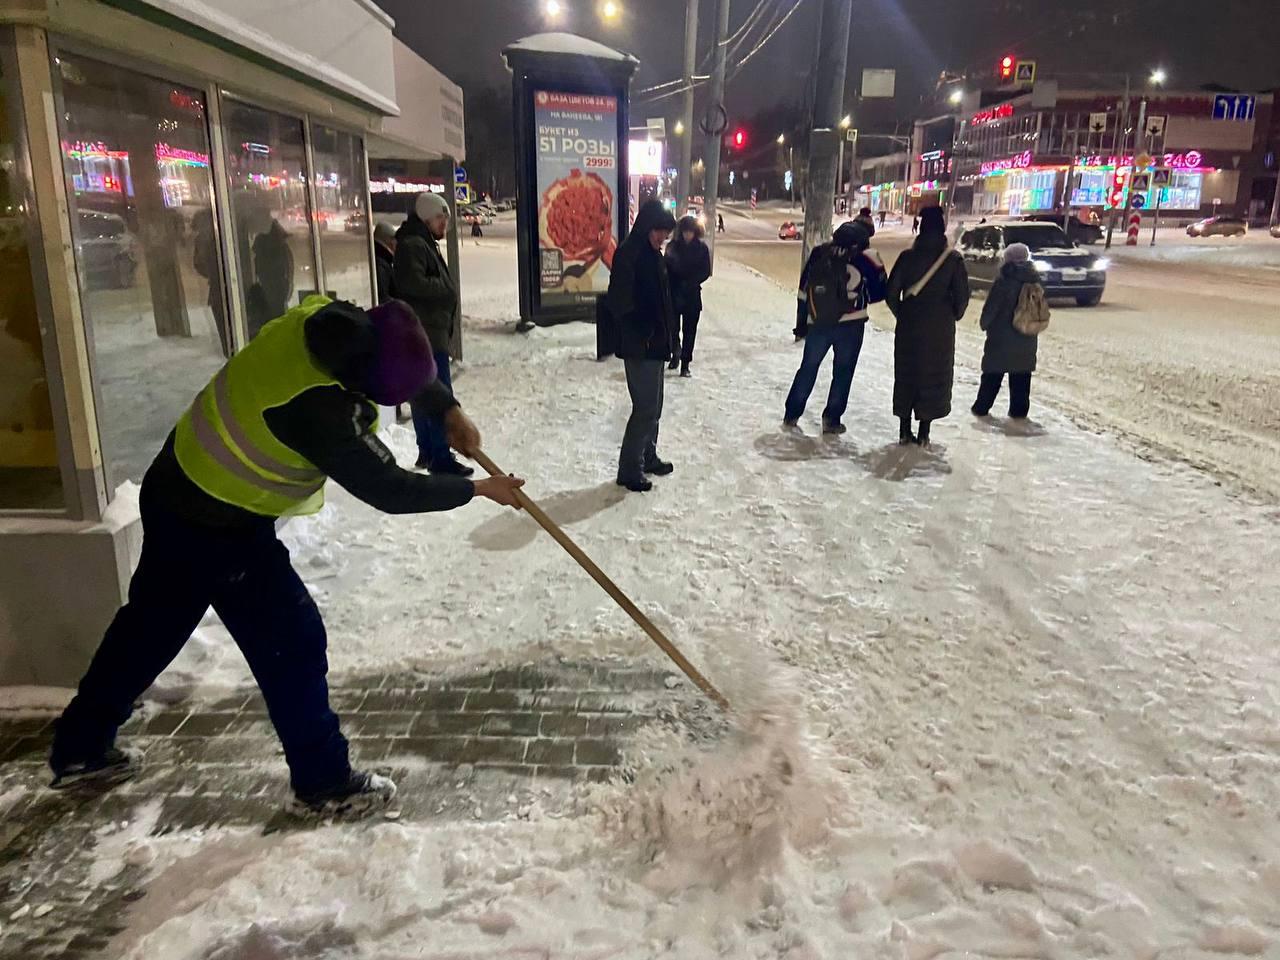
(1191, 160)
(1000, 112)
(1017, 162)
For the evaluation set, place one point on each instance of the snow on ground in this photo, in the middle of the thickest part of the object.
(1032, 709)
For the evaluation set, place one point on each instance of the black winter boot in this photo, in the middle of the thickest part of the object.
(684, 369)
(905, 436)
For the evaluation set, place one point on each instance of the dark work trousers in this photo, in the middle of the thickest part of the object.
(1019, 394)
(689, 321)
(246, 576)
(433, 446)
(645, 381)
(846, 340)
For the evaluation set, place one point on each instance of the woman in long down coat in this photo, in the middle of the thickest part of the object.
(924, 342)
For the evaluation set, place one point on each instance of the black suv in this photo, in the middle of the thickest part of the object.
(1065, 269)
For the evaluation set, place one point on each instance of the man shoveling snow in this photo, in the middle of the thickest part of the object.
(293, 408)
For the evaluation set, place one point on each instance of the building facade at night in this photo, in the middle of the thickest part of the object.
(173, 174)
(1012, 152)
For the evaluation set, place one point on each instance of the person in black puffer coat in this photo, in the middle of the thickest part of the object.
(1007, 350)
(639, 300)
(924, 341)
(689, 267)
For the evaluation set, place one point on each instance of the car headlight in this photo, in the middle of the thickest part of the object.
(1102, 263)
(1043, 266)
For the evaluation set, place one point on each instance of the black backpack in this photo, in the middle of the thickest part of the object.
(828, 286)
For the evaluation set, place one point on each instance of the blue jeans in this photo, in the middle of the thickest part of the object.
(433, 448)
(846, 340)
(246, 576)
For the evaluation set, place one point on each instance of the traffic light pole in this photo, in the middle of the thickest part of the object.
(684, 169)
(715, 136)
(1117, 141)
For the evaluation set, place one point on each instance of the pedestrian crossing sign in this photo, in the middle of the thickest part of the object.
(1025, 72)
(462, 193)
(1162, 176)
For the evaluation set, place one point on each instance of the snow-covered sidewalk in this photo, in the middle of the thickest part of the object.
(1036, 680)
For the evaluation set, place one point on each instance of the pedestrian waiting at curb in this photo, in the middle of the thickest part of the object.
(1015, 306)
(928, 294)
(688, 267)
(839, 282)
(639, 299)
(423, 280)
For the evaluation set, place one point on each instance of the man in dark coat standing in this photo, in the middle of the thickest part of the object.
(689, 267)
(640, 300)
(924, 340)
(423, 280)
(1007, 350)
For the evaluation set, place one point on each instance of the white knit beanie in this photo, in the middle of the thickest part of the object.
(429, 205)
(1017, 253)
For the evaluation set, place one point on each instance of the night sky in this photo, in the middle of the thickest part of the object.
(1232, 42)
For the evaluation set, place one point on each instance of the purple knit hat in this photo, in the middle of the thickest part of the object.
(403, 363)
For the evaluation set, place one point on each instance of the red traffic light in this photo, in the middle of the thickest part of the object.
(1008, 66)
(740, 139)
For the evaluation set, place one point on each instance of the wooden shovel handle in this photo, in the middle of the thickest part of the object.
(608, 585)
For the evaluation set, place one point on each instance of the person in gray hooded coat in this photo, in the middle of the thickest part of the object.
(1007, 350)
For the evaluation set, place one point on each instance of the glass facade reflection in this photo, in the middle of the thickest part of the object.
(135, 150)
(342, 214)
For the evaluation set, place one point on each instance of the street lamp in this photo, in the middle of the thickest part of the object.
(552, 9)
(679, 128)
(846, 123)
(956, 96)
(610, 9)
(1158, 76)
(782, 138)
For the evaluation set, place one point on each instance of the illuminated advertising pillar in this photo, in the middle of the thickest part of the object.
(570, 98)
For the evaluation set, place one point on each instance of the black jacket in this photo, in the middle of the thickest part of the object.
(331, 426)
(423, 281)
(924, 339)
(1007, 350)
(688, 267)
(640, 297)
(384, 265)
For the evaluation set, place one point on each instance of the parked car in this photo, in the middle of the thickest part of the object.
(1065, 269)
(470, 213)
(356, 222)
(788, 231)
(1077, 230)
(105, 250)
(1218, 227)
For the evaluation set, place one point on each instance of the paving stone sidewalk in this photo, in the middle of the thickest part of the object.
(465, 747)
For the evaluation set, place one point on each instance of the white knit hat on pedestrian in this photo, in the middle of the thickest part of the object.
(1017, 253)
(429, 205)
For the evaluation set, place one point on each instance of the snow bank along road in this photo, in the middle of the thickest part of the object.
(1182, 356)
(1038, 677)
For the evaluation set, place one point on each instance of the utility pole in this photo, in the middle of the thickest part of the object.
(717, 121)
(820, 183)
(1275, 204)
(684, 167)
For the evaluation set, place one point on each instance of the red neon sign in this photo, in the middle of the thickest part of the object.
(995, 113)
(1019, 162)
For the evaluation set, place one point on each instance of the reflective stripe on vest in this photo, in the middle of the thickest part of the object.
(223, 442)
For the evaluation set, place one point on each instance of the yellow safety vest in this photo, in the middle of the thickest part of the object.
(223, 442)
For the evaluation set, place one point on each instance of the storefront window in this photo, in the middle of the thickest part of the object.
(136, 154)
(1183, 193)
(341, 214)
(266, 163)
(29, 475)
